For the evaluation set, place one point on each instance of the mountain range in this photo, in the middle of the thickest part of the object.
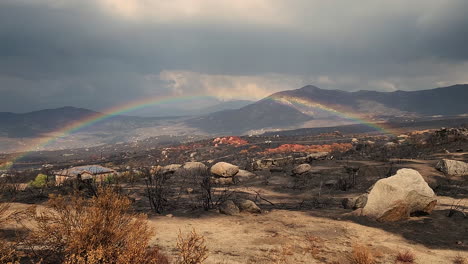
(312, 104)
(308, 106)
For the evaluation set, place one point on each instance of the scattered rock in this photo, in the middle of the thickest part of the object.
(396, 197)
(229, 208)
(222, 181)
(248, 206)
(454, 213)
(170, 169)
(194, 165)
(356, 202)
(317, 156)
(361, 201)
(303, 168)
(453, 167)
(268, 163)
(243, 175)
(348, 203)
(224, 169)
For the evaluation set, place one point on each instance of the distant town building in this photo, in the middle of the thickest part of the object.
(89, 172)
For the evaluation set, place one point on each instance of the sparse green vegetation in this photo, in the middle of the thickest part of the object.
(40, 181)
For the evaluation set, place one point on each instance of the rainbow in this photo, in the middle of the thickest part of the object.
(75, 126)
(142, 103)
(336, 110)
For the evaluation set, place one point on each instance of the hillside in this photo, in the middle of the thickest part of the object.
(32, 124)
(295, 107)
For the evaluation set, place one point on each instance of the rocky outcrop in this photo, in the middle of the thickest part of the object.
(222, 181)
(229, 208)
(224, 169)
(302, 168)
(397, 197)
(453, 167)
(272, 163)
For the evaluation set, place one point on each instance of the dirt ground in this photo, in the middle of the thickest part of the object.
(279, 234)
(307, 224)
(262, 238)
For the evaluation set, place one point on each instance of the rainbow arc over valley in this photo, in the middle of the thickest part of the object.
(121, 109)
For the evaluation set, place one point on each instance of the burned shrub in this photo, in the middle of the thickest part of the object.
(157, 189)
(102, 229)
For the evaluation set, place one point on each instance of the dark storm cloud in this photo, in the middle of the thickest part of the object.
(100, 53)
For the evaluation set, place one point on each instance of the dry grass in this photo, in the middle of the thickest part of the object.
(460, 260)
(192, 248)
(76, 230)
(361, 254)
(282, 254)
(405, 257)
(8, 253)
(314, 245)
(3, 213)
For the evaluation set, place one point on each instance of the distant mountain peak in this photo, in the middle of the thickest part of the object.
(309, 88)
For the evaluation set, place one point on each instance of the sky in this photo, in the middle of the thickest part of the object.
(101, 53)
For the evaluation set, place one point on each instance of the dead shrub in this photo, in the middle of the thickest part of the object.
(157, 189)
(8, 253)
(76, 230)
(460, 260)
(405, 257)
(361, 254)
(192, 248)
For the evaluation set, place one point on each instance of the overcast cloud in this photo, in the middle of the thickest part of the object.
(99, 53)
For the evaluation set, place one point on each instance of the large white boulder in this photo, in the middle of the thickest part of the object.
(453, 167)
(224, 169)
(395, 198)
